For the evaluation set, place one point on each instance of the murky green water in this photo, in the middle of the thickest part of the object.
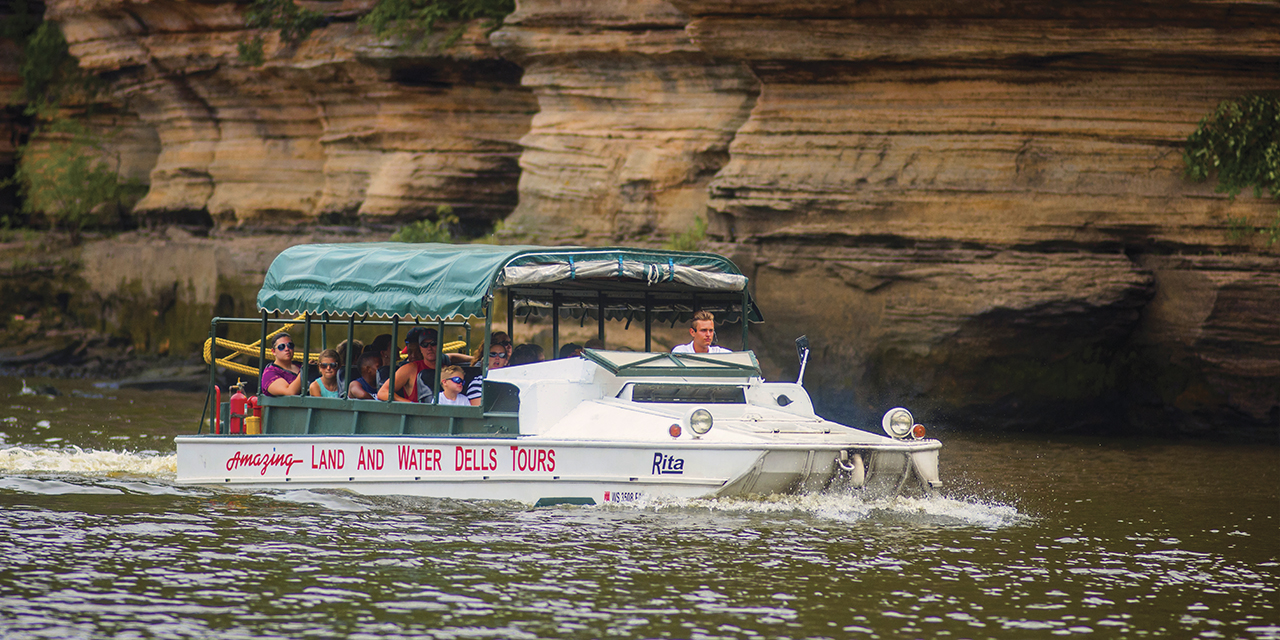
(1036, 538)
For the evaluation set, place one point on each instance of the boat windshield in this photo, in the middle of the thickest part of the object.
(689, 393)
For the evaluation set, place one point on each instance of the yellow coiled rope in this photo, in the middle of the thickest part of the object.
(254, 349)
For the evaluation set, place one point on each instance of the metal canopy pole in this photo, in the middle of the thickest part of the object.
(351, 337)
(262, 352)
(395, 359)
(306, 355)
(746, 311)
(324, 332)
(600, 318)
(648, 322)
(511, 316)
(484, 354)
(435, 384)
(213, 379)
(555, 325)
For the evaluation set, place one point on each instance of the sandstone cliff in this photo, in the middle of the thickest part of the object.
(973, 208)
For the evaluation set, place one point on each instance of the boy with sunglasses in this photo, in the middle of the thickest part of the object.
(451, 387)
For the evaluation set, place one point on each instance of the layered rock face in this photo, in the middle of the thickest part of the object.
(975, 209)
(979, 207)
(337, 128)
(633, 120)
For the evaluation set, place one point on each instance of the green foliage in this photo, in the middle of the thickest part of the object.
(50, 74)
(416, 19)
(427, 231)
(294, 22)
(250, 52)
(1240, 143)
(690, 239)
(1271, 234)
(70, 181)
(1238, 228)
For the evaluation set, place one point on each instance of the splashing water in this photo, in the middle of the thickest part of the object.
(73, 459)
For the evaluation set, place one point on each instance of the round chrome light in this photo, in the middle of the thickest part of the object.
(897, 422)
(700, 421)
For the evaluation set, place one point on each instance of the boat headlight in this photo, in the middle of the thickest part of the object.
(700, 421)
(897, 423)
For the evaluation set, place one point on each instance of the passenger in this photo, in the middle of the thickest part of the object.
(409, 385)
(327, 385)
(497, 360)
(366, 386)
(280, 378)
(451, 387)
(594, 343)
(571, 350)
(346, 372)
(381, 345)
(702, 328)
(526, 353)
(501, 339)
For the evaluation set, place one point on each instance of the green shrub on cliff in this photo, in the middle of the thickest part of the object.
(441, 230)
(1240, 143)
(690, 239)
(63, 173)
(70, 181)
(50, 74)
(410, 19)
(293, 22)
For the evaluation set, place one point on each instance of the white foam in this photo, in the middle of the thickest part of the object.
(76, 460)
(851, 507)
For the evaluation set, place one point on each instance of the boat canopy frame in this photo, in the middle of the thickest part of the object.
(431, 281)
(435, 284)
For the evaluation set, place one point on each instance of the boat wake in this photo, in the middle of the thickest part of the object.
(852, 507)
(76, 460)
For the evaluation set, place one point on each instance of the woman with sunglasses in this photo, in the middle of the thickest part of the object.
(280, 378)
(326, 386)
(451, 387)
(497, 360)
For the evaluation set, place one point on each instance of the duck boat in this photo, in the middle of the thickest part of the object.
(608, 426)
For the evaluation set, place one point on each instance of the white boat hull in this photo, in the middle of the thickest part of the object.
(531, 470)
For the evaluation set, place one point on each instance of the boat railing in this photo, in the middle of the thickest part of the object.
(305, 415)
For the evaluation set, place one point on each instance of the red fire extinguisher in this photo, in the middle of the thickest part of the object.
(238, 409)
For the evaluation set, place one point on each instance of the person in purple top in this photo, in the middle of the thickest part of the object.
(280, 378)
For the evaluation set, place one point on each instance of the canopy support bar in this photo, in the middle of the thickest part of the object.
(395, 358)
(648, 322)
(306, 355)
(555, 325)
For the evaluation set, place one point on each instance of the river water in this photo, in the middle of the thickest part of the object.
(1035, 537)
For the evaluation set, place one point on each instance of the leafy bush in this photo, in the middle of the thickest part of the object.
(70, 181)
(250, 52)
(690, 239)
(441, 230)
(417, 18)
(1240, 143)
(50, 74)
(294, 22)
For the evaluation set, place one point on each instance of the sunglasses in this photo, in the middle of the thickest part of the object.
(498, 354)
(426, 344)
(455, 380)
(284, 345)
(328, 365)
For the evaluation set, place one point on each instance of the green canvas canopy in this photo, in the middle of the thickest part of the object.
(441, 281)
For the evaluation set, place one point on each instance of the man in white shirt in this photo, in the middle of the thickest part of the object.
(703, 330)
